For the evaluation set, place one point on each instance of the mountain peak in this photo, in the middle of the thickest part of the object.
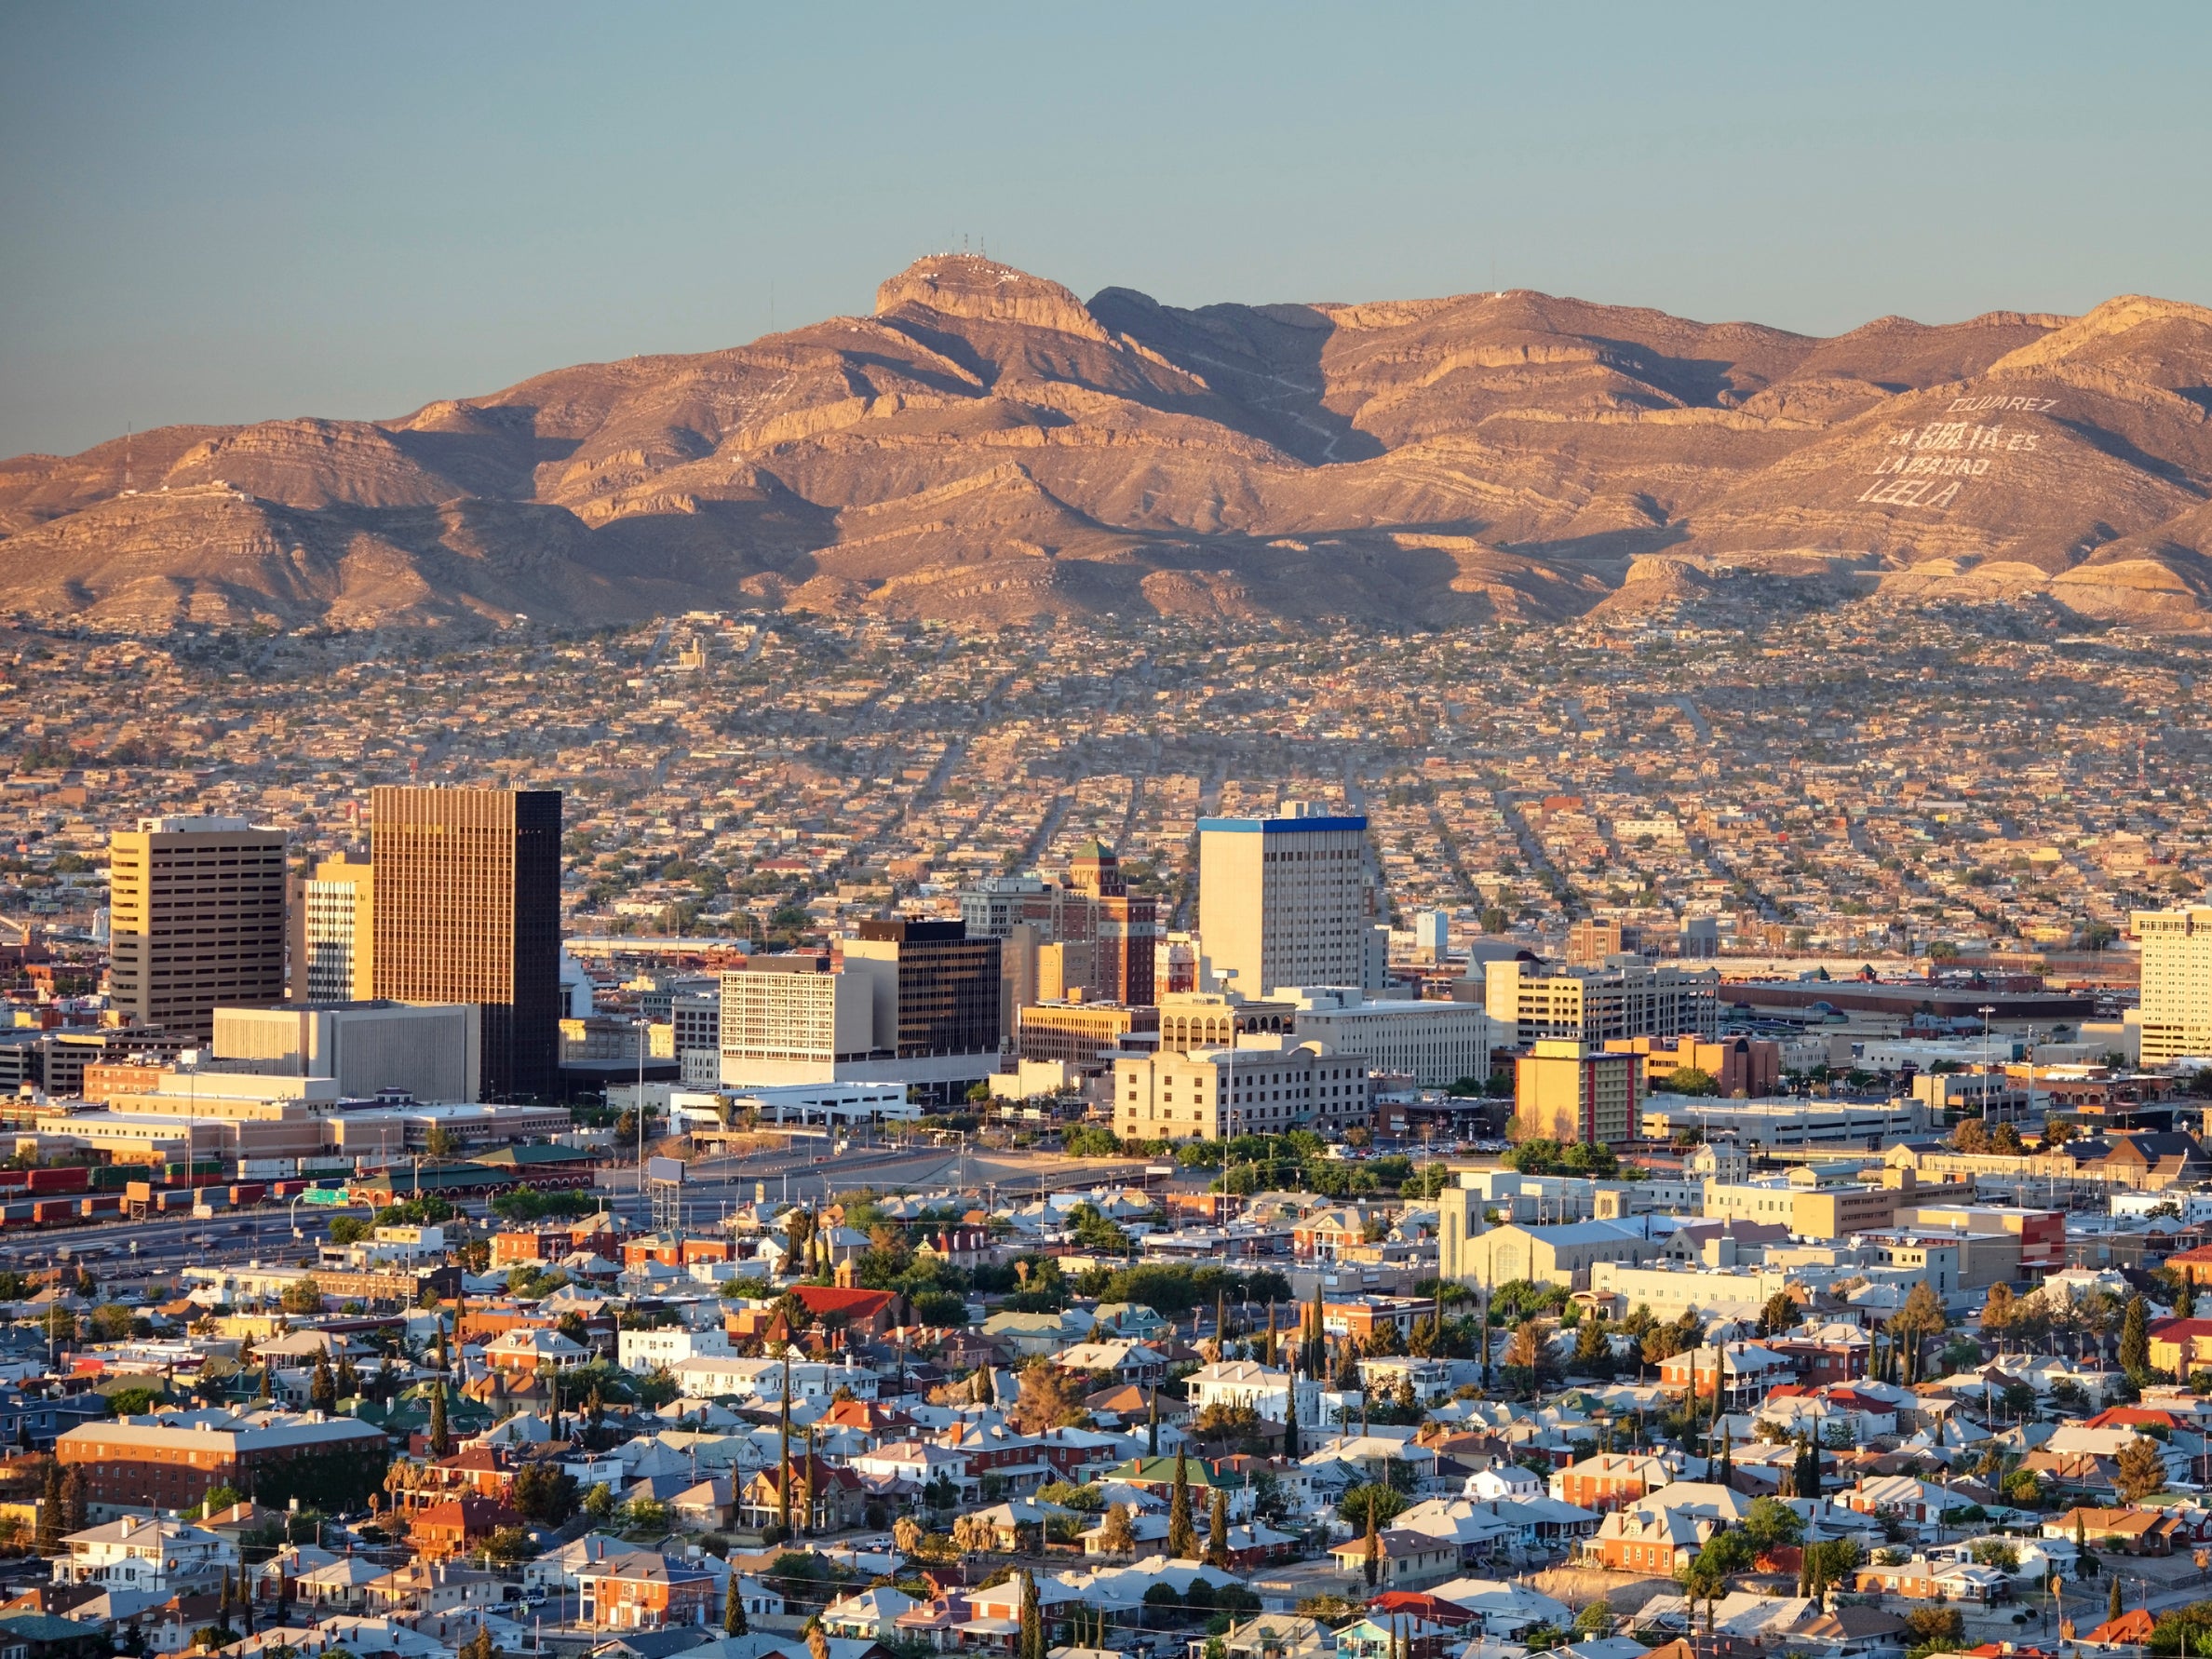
(984, 291)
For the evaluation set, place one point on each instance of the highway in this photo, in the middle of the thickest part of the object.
(805, 1170)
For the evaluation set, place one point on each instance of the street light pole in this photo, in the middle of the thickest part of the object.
(643, 1025)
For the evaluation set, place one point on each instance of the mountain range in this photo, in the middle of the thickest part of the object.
(988, 446)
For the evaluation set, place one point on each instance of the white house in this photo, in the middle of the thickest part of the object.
(642, 1351)
(131, 1553)
(1247, 1382)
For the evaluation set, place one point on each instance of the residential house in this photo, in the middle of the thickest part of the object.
(457, 1525)
(871, 1614)
(708, 1505)
(159, 1557)
(1602, 1481)
(1280, 1635)
(1745, 1371)
(1907, 1499)
(1411, 1560)
(1920, 1579)
(828, 1498)
(1120, 1362)
(2136, 1531)
(645, 1591)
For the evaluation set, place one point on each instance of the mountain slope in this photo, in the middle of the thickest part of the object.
(987, 446)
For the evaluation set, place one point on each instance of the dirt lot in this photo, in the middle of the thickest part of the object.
(1578, 1586)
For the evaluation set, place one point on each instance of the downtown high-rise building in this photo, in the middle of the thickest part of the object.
(467, 910)
(336, 932)
(1086, 934)
(2175, 1009)
(1287, 902)
(196, 920)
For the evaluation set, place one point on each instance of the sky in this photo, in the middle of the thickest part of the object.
(227, 212)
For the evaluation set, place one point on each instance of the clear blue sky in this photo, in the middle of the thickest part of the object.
(228, 212)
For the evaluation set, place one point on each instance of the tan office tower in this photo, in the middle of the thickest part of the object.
(467, 910)
(2177, 1003)
(196, 918)
(338, 938)
(1284, 901)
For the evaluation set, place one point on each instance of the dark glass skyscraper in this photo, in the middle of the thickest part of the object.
(468, 910)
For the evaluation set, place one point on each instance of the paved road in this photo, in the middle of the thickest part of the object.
(177, 1240)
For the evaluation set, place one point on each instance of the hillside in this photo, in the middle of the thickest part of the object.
(987, 446)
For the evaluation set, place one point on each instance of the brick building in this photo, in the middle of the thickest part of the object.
(174, 1459)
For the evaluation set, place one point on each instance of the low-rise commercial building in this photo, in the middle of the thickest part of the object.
(1743, 1068)
(1075, 1032)
(1813, 1202)
(1789, 1122)
(1672, 1289)
(1263, 1086)
(1562, 1255)
(429, 1051)
(1598, 1005)
(1435, 1043)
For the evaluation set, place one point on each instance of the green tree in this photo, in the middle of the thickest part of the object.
(733, 1622)
(1373, 1501)
(440, 1437)
(2140, 1470)
(1770, 1523)
(1032, 1643)
(1216, 1530)
(1780, 1313)
(322, 1386)
(49, 1510)
(1914, 1325)
(544, 1492)
(302, 1296)
(1692, 1080)
(2135, 1341)
(1182, 1537)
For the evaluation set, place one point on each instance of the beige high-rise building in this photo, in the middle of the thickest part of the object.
(1566, 1091)
(338, 935)
(197, 919)
(2177, 1002)
(1285, 901)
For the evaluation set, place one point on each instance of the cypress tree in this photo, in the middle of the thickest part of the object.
(734, 1609)
(322, 1387)
(2112, 1607)
(783, 1450)
(1217, 1530)
(1182, 1537)
(1290, 1418)
(985, 1386)
(1804, 1478)
(75, 1515)
(441, 1437)
(1267, 1353)
(1151, 1427)
(1221, 1322)
(1372, 1563)
(1319, 1342)
(2135, 1341)
(1033, 1623)
(2185, 1299)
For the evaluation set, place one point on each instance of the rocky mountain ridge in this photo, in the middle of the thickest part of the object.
(987, 446)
